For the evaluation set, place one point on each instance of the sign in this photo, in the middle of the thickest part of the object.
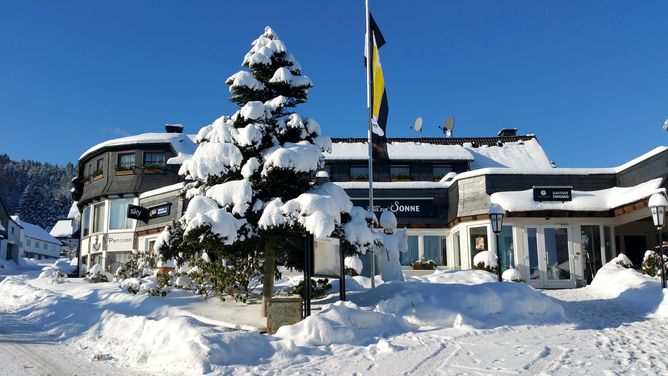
(138, 212)
(120, 241)
(401, 207)
(552, 194)
(159, 211)
(326, 257)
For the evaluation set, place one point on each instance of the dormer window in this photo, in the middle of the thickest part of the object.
(126, 162)
(400, 173)
(359, 173)
(439, 171)
(154, 161)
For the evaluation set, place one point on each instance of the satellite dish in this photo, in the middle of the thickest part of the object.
(417, 126)
(665, 125)
(448, 126)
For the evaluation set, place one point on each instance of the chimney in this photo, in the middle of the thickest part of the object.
(507, 132)
(174, 128)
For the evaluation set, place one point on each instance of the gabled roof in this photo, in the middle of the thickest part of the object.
(62, 229)
(36, 232)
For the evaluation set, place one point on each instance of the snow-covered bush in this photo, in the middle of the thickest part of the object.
(353, 265)
(96, 274)
(318, 288)
(511, 275)
(236, 278)
(54, 275)
(485, 260)
(623, 260)
(146, 285)
(423, 264)
(651, 263)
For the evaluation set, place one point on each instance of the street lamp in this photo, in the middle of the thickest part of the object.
(496, 213)
(657, 206)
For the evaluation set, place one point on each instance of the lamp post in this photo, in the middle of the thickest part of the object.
(657, 207)
(496, 213)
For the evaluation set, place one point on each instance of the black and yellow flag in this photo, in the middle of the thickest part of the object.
(377, 96)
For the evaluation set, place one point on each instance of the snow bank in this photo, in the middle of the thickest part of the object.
(437, 300)
(634, 290)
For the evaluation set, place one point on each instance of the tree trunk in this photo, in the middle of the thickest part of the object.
(269, 277)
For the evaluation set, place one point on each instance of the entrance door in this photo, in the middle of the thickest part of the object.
(550, 258)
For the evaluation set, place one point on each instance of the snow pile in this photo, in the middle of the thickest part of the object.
(354, 263)
(53, 275)
(636, 291)
(399, 307)
(487, 258)
(511, 275)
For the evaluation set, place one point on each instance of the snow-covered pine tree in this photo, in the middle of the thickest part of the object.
(251, 194)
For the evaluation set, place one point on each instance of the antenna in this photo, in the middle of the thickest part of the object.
(448, 126)
(418, 125)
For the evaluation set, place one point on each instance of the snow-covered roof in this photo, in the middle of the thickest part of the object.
(74, 212)
(392, 185)
(36, 232)
(183, 144)
(399, 151)
(165, 189)
(601, 200)
(62, 229)
(520, 154)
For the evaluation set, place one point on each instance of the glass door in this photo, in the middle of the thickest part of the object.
(550, 259)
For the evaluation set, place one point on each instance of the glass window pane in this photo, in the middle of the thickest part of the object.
(432, 249)
(477, 241)
(556, 249)
(407, 258)
(154, 159)
(126, 161)
(444, 250)
(118, 214)
(608, 244)
(532, 240)
(506, 247)
(359, 173)
(456, 251)
(440, 171)
(590, 239)
(400, 173)
(98, 218)
(85, 221)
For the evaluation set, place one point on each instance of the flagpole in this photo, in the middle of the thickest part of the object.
(369, 61)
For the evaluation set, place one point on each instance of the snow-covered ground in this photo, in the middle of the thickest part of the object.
(449, 322)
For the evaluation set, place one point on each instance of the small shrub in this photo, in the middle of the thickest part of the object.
(318, 288)
(421, 264)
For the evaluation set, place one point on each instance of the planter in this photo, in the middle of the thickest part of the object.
(97, 177)
(166, 269)
(153, 170)
(125, 172)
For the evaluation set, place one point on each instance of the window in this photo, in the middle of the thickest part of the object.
(359, 173)
(477, 241)
(154, 160)
(85, 221)
(126, 162)
(506, 247)
(99, 164)
(432, 249)
(28, 241)
(439, 171)
(407, 258)
(45, 246)
(36, 244)
(98, 218)
(456, 250)
(400, 173)
(608, 244)
(118, 214)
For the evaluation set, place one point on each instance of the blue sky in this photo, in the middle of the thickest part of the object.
(589, 78)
